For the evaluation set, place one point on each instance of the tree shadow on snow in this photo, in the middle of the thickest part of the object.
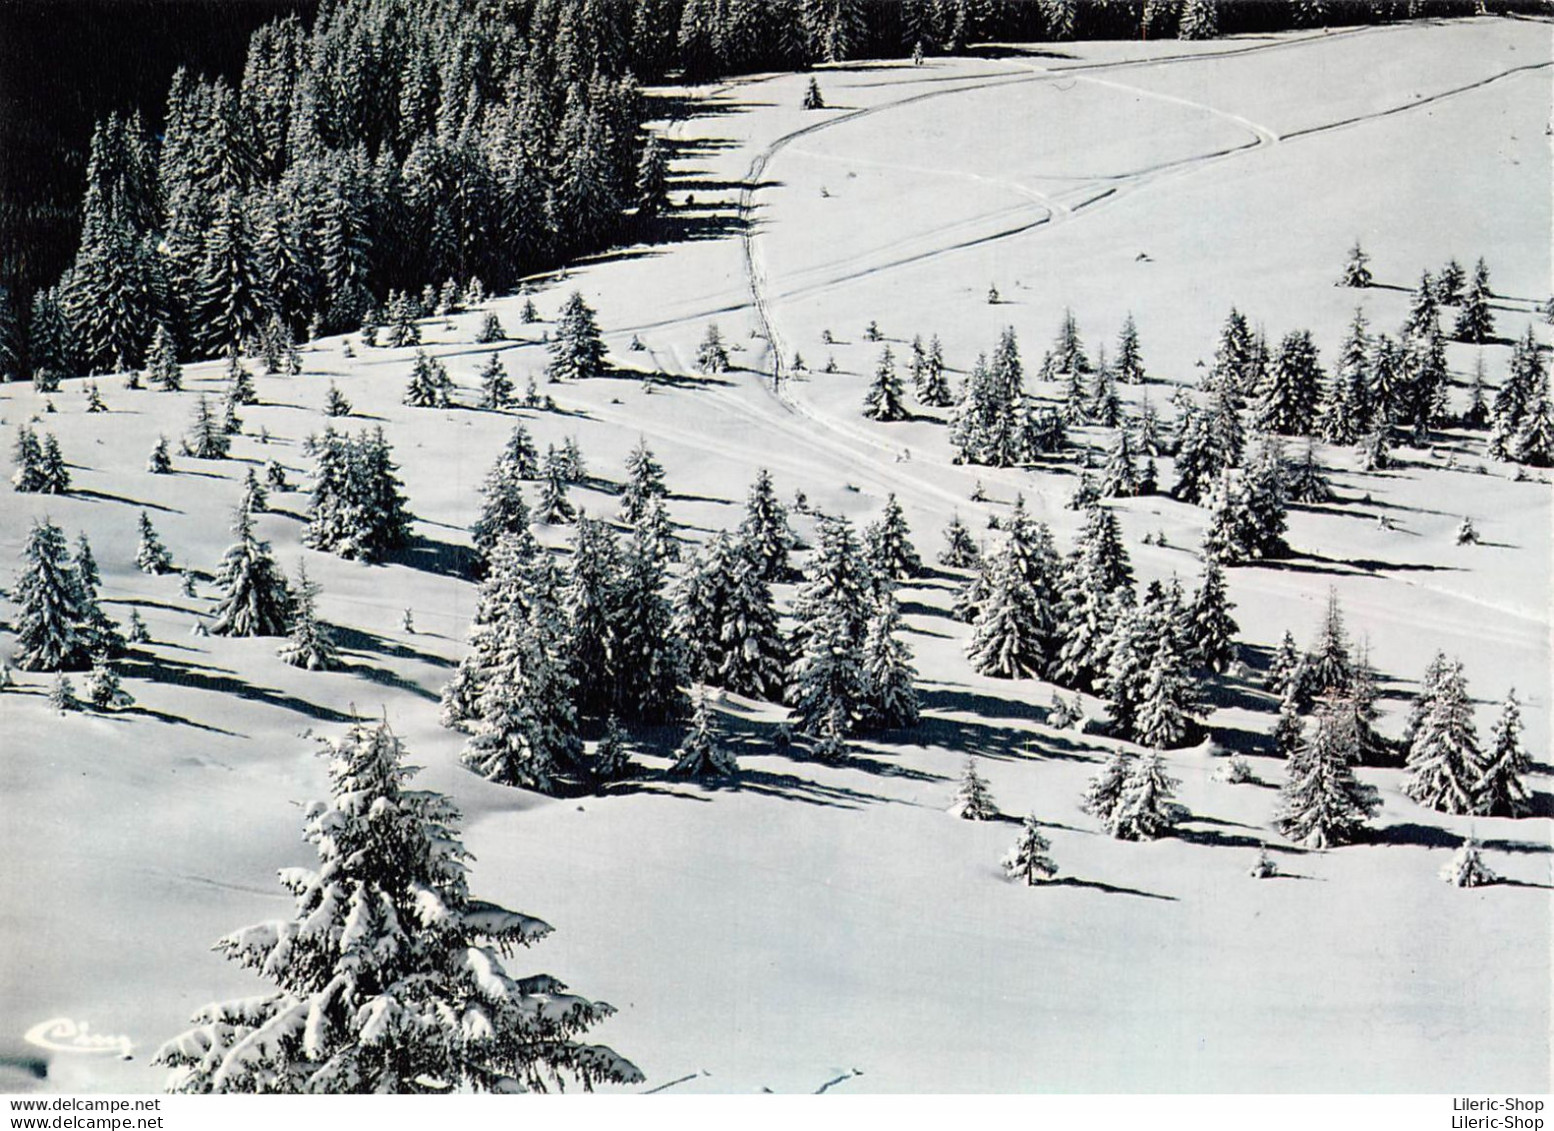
(105, 497)
(163, 670)
(1001, 744)
(361, 641)
(429, 555)
(169, 718)
(1411, 833)
(1110, 889)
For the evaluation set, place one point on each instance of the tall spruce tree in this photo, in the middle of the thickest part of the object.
(1475, 323)
(644, 483)
(389, 976)
(151, 556)
(1212, 634)
(1322, 803)
(889, 679)
(51, 619)
(310, 645)
(255, 600)
(1500, 791)
(884, 399)
(765, 530)
(1145, 809)
(1444, 758)
(1287, 404)
(576, 349)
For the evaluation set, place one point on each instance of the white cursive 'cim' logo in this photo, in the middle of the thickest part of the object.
(60, 1034)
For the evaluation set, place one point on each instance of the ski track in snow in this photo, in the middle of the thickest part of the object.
(902, 478)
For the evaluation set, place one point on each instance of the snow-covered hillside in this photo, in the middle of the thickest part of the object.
(809, 921)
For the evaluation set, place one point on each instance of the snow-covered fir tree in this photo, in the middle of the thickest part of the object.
(503, 510)
(1247, 513)
(889, 677)
(931, 385)
(1476, 415)
(991, 422)
(524, 727)
(765, 529)
(358, 510)
(1281, 669)
(1130, 649)
(728, 621)
(373, 991)
(1145, 809)
(254, 600)
(162, 368)
(554, 508)
(973, 799)
(1466, 868)
(644, 483)
(1444, 758)
(1329, 668)
(1201, 459)
(1235, 364)
(1449, 282)
(53, 476)
(1287, 403)
(568, 461)
(1169, 705)
(1356, 272)
(94, 398)
(1129, 366)
(1099, 575)
(576, 348)
(1029, 860)
(1475, 322)
(1323, 804)
(884, 401)
(400, 328)
(1212, 631)
(207, 438)
(1424, 699)
(1344, 413)
(647, 652)
(50, 623)
(104, 691)
(310, 644)
(1306, 482)
(430, 386)
(491, 330)
(150, 555)
(1011, 627)
(1500, 791)
(889, 544)
(712, 353)
(825, 680)
(496, 387)
(1120, 477)
(1104, 791)
(702, 753)
(62, 695)
(256, 498)
(335, 402)
(135, 631)
(960, 549)
(1526, 381)
(28, 455)
(611, 759)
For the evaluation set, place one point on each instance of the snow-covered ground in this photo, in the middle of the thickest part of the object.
(817, 921)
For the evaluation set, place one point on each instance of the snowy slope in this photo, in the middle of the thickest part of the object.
(819, 920)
